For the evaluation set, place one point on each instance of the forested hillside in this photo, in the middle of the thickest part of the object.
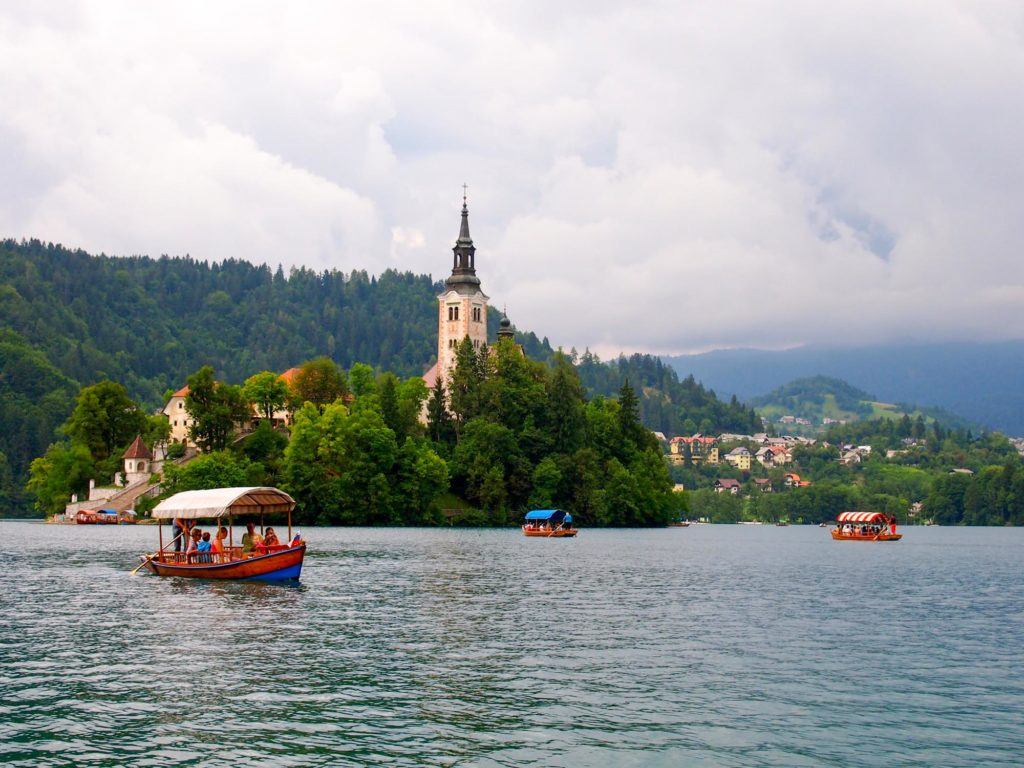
(818, 397)
(69, 319)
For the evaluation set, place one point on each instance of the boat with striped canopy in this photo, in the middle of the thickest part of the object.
(865, 526)
(279, 562)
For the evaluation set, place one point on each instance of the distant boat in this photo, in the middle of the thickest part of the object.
(549, 524)
(782, 524)
(679, 524)
(865, 526)
(104, 517)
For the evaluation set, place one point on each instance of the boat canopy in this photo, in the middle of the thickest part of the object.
(554, 515)
(862, 517)
(217, 502)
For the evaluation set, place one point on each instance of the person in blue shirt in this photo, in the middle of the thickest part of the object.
(203, 548)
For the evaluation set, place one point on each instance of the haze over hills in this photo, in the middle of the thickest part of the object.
(980, 381)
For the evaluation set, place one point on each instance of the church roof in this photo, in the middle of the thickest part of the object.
(183, 392)
(137, 450)
(430, 376)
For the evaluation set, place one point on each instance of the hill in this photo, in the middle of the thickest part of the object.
(817, 398)
(69, 319)
(982, 382)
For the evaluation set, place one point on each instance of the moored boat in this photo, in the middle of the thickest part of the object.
(549, 524)
(278, 562)
(679, 524)
(865, 526)
(104, 517)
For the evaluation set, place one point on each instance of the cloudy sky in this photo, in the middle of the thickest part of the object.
(664, 177)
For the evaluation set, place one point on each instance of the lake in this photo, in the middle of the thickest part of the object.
(709, 645)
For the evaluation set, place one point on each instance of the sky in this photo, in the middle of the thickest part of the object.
(643, 176)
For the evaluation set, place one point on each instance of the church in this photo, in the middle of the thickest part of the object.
(461, 307)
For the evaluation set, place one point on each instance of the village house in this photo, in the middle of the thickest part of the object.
(740, 458)
(773, 456)
(727, 485)
(850, 458)
(180, 420)
(763, 484)
(792, 480)
(703, 450)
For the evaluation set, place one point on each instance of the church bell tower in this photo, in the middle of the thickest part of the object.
(462, 306)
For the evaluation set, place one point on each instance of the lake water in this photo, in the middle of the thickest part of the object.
(710, 645)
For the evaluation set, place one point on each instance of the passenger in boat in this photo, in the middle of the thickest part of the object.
(251, 539)
(217, 547)
(270, 539)
(203, 548)
(193, 544)
(180, 530)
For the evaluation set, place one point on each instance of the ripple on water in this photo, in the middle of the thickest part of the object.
(710, 645)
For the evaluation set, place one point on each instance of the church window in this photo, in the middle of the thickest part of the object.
(476, 314)
(180, 406)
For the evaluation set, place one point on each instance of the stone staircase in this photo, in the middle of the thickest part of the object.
(125, 500)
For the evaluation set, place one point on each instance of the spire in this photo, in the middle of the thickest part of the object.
(464, 261)
(505, 326)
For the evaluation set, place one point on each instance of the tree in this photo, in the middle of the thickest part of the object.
(65, 469)
(565, 411)
(219, 469)
(267, 391)
(439, 421)
(216, 409)
(629, 417)
(319, 382)
(363, 380)
(105, 419)
(464, 385)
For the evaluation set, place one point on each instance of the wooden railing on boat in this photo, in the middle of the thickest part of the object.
(229, 555)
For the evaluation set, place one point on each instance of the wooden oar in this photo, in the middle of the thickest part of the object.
(150, 557)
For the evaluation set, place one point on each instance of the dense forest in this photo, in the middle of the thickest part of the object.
(69, 319)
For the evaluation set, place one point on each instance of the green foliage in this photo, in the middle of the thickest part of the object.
(320, 382)
(64, 469)
(105, 419)
(267, 392)
(216, 410)
(346, 468)
(220, 469)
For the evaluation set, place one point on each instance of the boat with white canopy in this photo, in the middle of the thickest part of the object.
(277, 562)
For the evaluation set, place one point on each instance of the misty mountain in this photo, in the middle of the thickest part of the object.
(981, 381)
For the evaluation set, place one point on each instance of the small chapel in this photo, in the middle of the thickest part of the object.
(461, 307)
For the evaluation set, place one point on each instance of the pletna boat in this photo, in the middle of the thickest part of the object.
(281, 562)
(549, 524)
(865, 526)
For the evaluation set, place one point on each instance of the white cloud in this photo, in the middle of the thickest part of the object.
(659, 176)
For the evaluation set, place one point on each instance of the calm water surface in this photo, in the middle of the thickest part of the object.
(711, 645)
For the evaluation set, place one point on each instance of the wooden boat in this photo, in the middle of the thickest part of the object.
(865, 526)
(679, 524)
(281, 562)
(782, 524)
(549, 524)
(104, 517)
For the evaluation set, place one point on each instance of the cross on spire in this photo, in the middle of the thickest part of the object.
(465, 191)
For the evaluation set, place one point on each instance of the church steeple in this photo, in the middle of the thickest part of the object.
(463, 275)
